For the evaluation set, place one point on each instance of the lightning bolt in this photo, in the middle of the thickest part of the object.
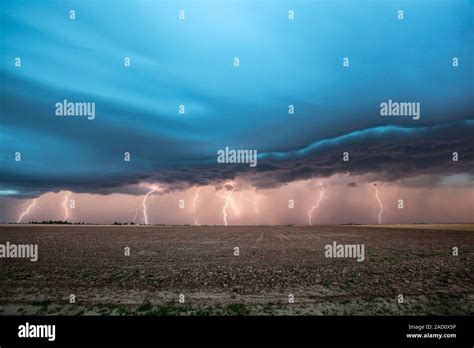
(145, 203)
(196, 197)
(136, 213)
(228, 202)
(27, 210)
(379, 201)
(254, 201)
(316, 205)
(66, 209)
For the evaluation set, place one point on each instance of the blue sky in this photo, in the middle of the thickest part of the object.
(190, 62)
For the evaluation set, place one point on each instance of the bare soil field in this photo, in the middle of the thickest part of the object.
(200, 263)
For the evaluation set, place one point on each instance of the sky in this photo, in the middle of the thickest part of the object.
(190, 62)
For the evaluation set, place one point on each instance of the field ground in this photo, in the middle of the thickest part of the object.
(274, 261)
(445, 227)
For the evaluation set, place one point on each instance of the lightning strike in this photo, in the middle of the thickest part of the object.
(229, 202)
(27, 211)
(145, 203)
(253, 201)
(379, 201)
(136, 214)
(66, 208)
(316, 205)
(196, 197)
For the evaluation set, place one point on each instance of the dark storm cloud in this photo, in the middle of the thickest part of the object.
(389, 153)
